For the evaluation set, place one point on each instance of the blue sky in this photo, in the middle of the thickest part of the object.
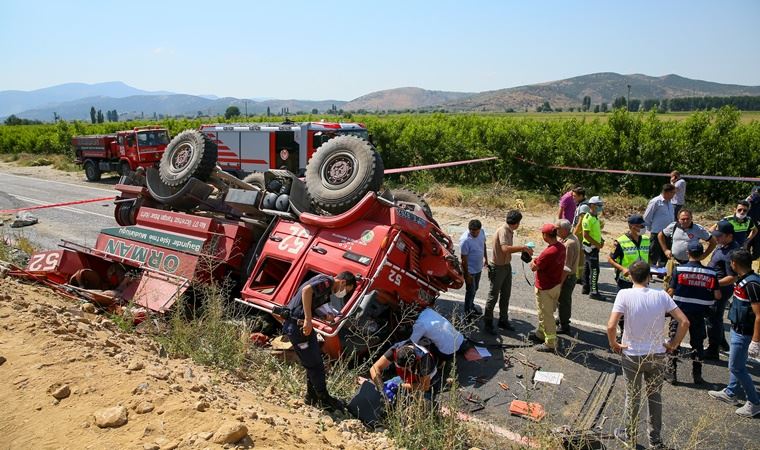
(341, 50)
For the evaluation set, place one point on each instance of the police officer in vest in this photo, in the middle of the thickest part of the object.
(592, 244)
(744, 227)
(629, 248)
(298, 314)
(694, 288)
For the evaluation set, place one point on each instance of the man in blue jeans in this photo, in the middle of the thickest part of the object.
(745, 335)
(472, 246)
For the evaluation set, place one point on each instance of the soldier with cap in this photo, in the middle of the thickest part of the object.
(592, 243)
(549, 269)
(695, 289)
(721, 263)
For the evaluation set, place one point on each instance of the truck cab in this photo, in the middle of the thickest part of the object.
(141, 146)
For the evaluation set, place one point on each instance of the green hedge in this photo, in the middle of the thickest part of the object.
(714, 143)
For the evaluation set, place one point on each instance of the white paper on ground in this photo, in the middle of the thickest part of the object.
(548, 377)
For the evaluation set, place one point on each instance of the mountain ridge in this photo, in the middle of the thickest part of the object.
(131, 102)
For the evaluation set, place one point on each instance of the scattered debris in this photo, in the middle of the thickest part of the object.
(134, 366)
(24, 219)
(2, 360)
(504, 386)
(548, 377)
(532, 411)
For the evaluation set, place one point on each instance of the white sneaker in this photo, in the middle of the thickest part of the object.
(749, 409)
(723, 396)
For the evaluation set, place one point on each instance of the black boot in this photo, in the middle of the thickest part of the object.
(696, 372)
(311, 399)
(330, 403)
(488, 325)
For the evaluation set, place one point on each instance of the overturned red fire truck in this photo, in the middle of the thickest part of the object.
(188, 221)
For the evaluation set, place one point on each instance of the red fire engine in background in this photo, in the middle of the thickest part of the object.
(120, 152)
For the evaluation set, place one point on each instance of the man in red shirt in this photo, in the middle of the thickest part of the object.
(549, 268)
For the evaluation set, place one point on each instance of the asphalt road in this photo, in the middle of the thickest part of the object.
(691, 419)
(77, 223)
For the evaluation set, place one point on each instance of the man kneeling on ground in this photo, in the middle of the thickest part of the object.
(413, 363)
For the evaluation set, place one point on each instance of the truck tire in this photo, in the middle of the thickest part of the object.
(125, 213)
(407, 196)
(91, 170)
(189, 154)
(341, 172)
(256, 179)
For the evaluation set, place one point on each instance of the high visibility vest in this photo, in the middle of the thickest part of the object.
(739, 227)
(631, 253)
(594, 228)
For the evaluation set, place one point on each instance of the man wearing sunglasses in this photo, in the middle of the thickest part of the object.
(744, 226)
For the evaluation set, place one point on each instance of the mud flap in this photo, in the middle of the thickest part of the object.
(158, 292)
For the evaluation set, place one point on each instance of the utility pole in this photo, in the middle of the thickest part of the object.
(628, 101)
(246, 107)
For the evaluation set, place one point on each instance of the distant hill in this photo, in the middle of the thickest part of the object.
(74, 100)
(169, 105)
(403, 98)
(601, 87)
(12, 102)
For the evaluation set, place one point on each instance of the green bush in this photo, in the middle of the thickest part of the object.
(713, 142)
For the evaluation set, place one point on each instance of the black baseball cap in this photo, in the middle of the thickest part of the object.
(724, 227)
(635, 219)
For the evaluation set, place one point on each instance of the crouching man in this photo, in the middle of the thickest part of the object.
(413, 363)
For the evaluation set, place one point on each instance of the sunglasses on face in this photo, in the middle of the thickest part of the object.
(741, 210)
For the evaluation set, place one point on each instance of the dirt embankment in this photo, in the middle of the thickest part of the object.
(72, 379)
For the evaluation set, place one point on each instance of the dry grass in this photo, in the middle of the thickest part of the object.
(59, 162)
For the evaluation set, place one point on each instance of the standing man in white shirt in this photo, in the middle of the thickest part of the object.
(643, 351)
(472, 246)
(658, 215)
(680, 198)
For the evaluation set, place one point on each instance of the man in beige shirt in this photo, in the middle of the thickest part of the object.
(500, 272)
(572, 259)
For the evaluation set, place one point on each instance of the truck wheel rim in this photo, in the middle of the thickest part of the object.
(181, 157)
(338, 170)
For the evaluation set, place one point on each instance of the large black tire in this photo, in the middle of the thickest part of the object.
(189, 154)
(407, 196)
(256, 179)
(91, 170)
(341, 172)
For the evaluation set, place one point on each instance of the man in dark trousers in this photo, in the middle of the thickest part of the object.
(745, 336)
(721, 261)
(310, 296)
(694, 289)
